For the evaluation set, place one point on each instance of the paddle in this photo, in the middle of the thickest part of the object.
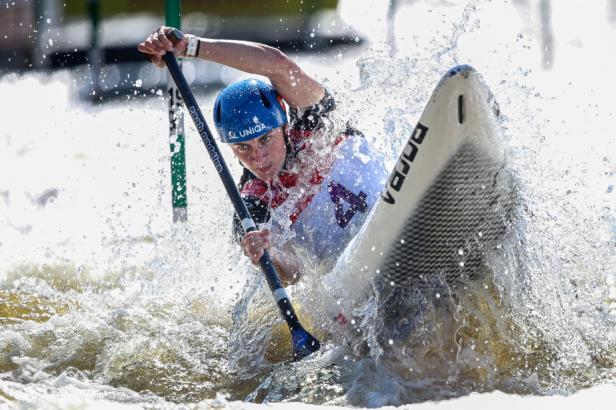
(303, 342)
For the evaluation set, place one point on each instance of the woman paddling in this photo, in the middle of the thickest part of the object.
(311, 187)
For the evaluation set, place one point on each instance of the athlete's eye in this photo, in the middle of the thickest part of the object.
(241, 147)
(265, 139)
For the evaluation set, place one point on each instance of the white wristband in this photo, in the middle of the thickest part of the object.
(193, 46)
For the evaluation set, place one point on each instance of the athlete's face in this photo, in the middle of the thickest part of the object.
(263, 156)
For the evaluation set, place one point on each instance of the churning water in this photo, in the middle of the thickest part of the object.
(104, 300)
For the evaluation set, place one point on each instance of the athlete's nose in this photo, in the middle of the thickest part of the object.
(260, 153)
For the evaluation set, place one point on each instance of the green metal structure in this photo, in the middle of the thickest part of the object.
(176, 129)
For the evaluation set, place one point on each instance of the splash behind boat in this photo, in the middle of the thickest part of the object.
(446, 205)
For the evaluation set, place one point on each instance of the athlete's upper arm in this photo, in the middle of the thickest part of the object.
(294, 85)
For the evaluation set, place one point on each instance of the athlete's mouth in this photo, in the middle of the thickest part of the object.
(265, 168)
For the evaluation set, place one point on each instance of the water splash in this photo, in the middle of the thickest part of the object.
(101, 298)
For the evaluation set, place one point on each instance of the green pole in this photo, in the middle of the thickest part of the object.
(176, 129)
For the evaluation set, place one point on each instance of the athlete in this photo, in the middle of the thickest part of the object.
(308, 187)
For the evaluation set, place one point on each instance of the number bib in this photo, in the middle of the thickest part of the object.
(343, 200)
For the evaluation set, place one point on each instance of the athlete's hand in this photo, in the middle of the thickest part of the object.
(157, 44)
(255, 243)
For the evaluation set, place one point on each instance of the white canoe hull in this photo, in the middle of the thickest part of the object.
(446, 204)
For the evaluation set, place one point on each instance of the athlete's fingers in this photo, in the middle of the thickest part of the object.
(247, 238)
(161, 36)
(148, 48)
(254, 244)
(151, 54)
(257, 244)
(143, 48)
(266, 234)
(255, 237)
(254, 254)
(157, 45)
(167, 41)
(250, 243)
(265, 239)
(162, 42)
(260, 237)
(256, 257)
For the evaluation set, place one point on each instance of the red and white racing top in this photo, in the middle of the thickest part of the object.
(324, 192)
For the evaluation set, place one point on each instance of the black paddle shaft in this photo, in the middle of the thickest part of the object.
(273, 280)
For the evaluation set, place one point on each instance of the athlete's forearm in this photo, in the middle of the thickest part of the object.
(295, 86)
(254, 58)
(292, 83)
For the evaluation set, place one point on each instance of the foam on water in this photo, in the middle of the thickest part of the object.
(102, 297)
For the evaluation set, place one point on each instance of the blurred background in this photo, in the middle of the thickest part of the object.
(102, 35)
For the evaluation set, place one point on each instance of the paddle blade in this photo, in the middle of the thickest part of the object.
(303, 343)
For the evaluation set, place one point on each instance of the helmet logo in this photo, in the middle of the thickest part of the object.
(231, 135)
(252, 130)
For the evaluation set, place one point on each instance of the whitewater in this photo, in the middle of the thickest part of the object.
(106, 303)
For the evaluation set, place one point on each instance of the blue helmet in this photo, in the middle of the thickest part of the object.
(248, 109)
